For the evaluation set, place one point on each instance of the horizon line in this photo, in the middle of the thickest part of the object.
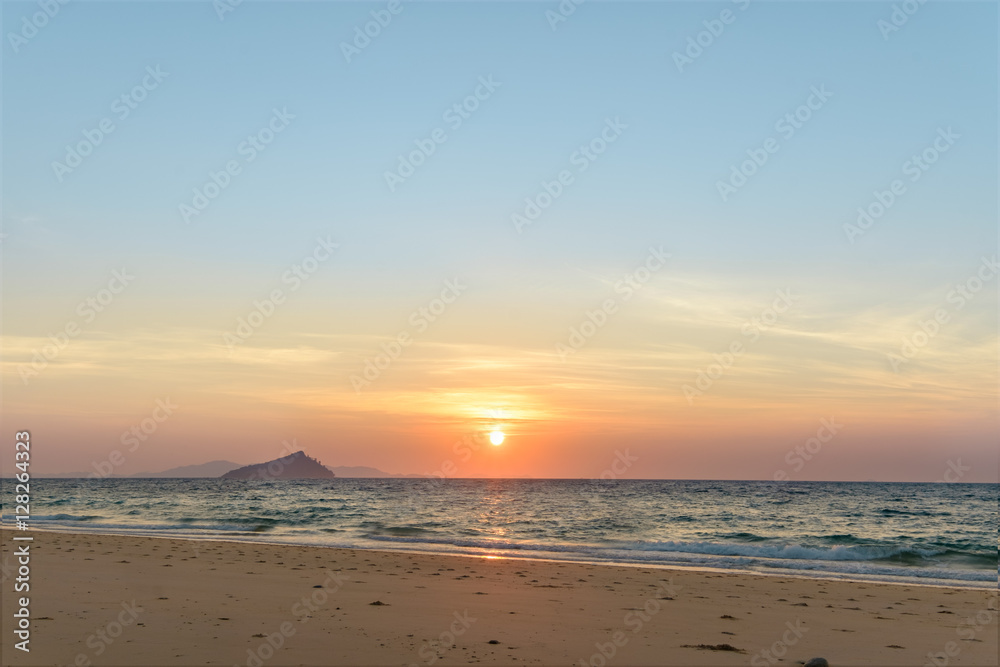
(535, 479)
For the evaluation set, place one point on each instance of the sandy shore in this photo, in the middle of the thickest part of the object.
(145, 601)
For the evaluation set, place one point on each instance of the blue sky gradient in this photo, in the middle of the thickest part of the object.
(655, 185)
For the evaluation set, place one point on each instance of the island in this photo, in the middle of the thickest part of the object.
(297, 465)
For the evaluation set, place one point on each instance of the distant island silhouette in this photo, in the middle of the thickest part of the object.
(297, 465)
(221, 468)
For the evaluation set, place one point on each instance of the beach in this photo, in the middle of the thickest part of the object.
(124, 600)
(415, 334)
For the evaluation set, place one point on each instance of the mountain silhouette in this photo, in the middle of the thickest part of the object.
(297, 465)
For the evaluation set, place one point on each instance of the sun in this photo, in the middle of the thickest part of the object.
(496, 437)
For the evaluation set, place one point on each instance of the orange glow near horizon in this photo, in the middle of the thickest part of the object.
(440, 408)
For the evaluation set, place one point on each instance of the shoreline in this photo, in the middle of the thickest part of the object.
(789, 572)
(219, 602)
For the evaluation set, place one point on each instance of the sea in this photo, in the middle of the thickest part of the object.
(929, 534)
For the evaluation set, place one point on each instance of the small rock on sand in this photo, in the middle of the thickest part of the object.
(817, 662)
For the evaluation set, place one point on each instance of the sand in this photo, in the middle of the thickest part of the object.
(149, 601)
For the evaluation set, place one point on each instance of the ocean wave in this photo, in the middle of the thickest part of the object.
(837, 568)
(775, 551)
(400, 530)
(66, 517)
(180, 529)
(793, 551)
(744, 537)
(891, 512)
(928, 532)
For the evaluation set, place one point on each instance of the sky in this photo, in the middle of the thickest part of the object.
(733, 240)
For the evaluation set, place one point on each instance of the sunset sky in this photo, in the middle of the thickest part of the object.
(489, 359)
